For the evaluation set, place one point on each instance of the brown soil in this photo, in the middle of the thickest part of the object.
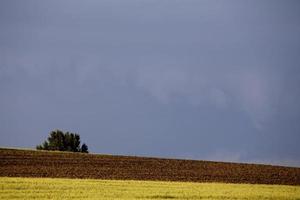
(30, 163)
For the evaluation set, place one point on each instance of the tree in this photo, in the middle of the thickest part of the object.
(44, 146)
(56, 140)
(84, 148)
(60, 141)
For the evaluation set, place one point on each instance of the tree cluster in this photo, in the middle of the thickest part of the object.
(60, 141)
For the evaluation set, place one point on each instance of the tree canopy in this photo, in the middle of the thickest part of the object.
(60, 141)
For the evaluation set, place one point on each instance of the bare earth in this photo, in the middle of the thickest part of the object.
(30, 163)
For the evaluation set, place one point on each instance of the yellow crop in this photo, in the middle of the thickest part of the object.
(57, 188)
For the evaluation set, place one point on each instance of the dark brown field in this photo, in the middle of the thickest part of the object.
(27, 163)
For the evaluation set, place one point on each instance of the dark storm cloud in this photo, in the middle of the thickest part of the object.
(197, 79)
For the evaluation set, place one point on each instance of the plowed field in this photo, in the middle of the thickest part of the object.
(27, 163)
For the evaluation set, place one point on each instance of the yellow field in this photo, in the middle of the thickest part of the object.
(50, 188)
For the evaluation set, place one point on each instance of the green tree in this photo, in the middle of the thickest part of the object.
(76, 147)
(60, 141)
(44, 146)
(84, 148)
(56, 140)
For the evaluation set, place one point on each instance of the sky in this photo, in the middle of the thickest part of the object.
(206, 80)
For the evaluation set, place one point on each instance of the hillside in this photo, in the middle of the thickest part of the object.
(30, 163)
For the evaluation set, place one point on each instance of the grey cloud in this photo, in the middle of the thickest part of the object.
(202, 79)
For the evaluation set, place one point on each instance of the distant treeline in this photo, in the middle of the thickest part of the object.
(60, 141)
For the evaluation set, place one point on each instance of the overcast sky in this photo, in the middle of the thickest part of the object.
(213, 80)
